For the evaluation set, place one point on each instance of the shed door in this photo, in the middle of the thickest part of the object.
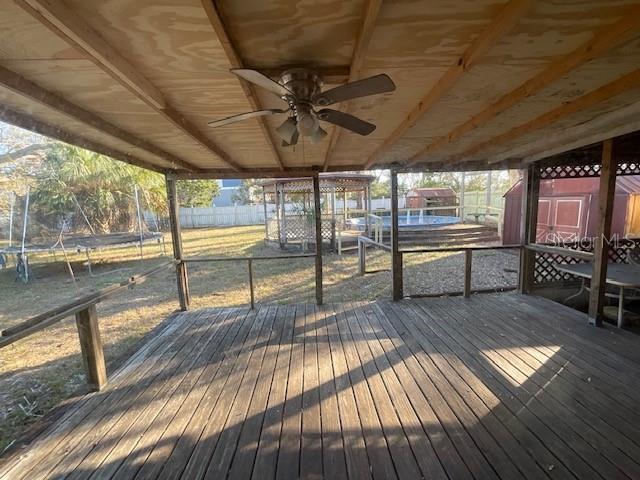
(566, 214)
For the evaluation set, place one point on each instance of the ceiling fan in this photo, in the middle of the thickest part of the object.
(300, 88)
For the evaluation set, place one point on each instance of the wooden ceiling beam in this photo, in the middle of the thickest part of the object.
(65, 23)
(372, 8)
(236, 62)
(602, 41)
(612, 89)
(508, 17)
(29, 90)
(43, 128)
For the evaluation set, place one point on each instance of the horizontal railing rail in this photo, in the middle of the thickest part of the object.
(552, 249)
(84, 309)
(249, 261)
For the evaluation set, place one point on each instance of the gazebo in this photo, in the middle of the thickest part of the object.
(291, 222)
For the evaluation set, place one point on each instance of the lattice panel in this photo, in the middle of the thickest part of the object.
(569, 171)
(300, 227)
(584, 171)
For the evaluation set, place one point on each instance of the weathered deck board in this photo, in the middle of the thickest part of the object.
(494, 386)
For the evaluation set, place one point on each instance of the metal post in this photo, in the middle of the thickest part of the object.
(461, 203)
(396, 256)
(12, 200)
(135, 190)
(318, 222)
(606, 198)
(266, 220)
(181, 267)
(284, 215)
(278, 219)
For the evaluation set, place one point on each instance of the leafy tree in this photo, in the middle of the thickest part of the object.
(197, 193)
(73, 181)
(248, 193)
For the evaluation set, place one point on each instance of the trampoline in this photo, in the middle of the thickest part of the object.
(414, 222)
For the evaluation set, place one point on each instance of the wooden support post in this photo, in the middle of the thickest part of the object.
(606, 197)
(91, 347)
(284, 216)
(251, 292)
(467, 272)
(176, 236)
(362, 258)
(318, 221)
(396, 256)
(488, 194)
(528, 226)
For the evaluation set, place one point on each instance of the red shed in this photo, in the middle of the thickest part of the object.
(568, 209)
(430, 197)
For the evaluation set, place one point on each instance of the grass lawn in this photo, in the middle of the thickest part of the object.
(39, 372)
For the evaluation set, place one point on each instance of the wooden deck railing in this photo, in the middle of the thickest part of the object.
(249, 261)
(84, 309)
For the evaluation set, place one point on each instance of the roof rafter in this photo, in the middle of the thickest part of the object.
(69, 26)
(236, 62)
(602, 41)
(372, 8)
(508, 17)
(29, 123)
(612, 89)
(27, 89)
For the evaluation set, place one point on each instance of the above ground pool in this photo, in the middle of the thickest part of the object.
(410, 221)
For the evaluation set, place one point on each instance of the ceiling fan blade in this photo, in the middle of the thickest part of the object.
(261, 80)
(246, 116)
(361, 88)
(347, 121)
(294, 140)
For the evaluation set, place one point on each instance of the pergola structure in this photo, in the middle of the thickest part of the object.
(476, 387)
(296, 226)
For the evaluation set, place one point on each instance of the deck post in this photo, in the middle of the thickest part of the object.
(91, 347)
(467, 272)
(528, 226)
(176, 236)
(396, 256)
(606, 198)
(251, 292)
(461, 202)
(318, 222)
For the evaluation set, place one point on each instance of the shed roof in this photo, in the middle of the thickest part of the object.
(431, 192)
(480, 81)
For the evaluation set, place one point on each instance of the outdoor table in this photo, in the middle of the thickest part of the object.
(621, 275)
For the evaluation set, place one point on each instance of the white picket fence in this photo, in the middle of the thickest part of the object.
(197, 217)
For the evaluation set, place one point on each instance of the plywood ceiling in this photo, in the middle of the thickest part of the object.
(483, 81)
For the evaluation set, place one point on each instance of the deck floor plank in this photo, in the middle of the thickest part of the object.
(493, 386)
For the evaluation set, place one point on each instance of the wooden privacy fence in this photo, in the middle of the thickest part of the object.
(249, 261)
(84, 309)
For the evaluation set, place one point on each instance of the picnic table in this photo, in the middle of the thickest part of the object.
(621, 275)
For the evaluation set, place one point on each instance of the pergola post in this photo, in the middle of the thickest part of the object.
(396, 256)
(606, 198)
(333, 218)
(528, 226)
(318, 222)
(176, 237)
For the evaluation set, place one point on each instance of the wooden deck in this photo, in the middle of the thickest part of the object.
(495, 386)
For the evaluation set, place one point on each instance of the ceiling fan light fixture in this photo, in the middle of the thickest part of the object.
(287, 130)
(318, 135)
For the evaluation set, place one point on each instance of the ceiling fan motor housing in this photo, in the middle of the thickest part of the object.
(303, 82)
